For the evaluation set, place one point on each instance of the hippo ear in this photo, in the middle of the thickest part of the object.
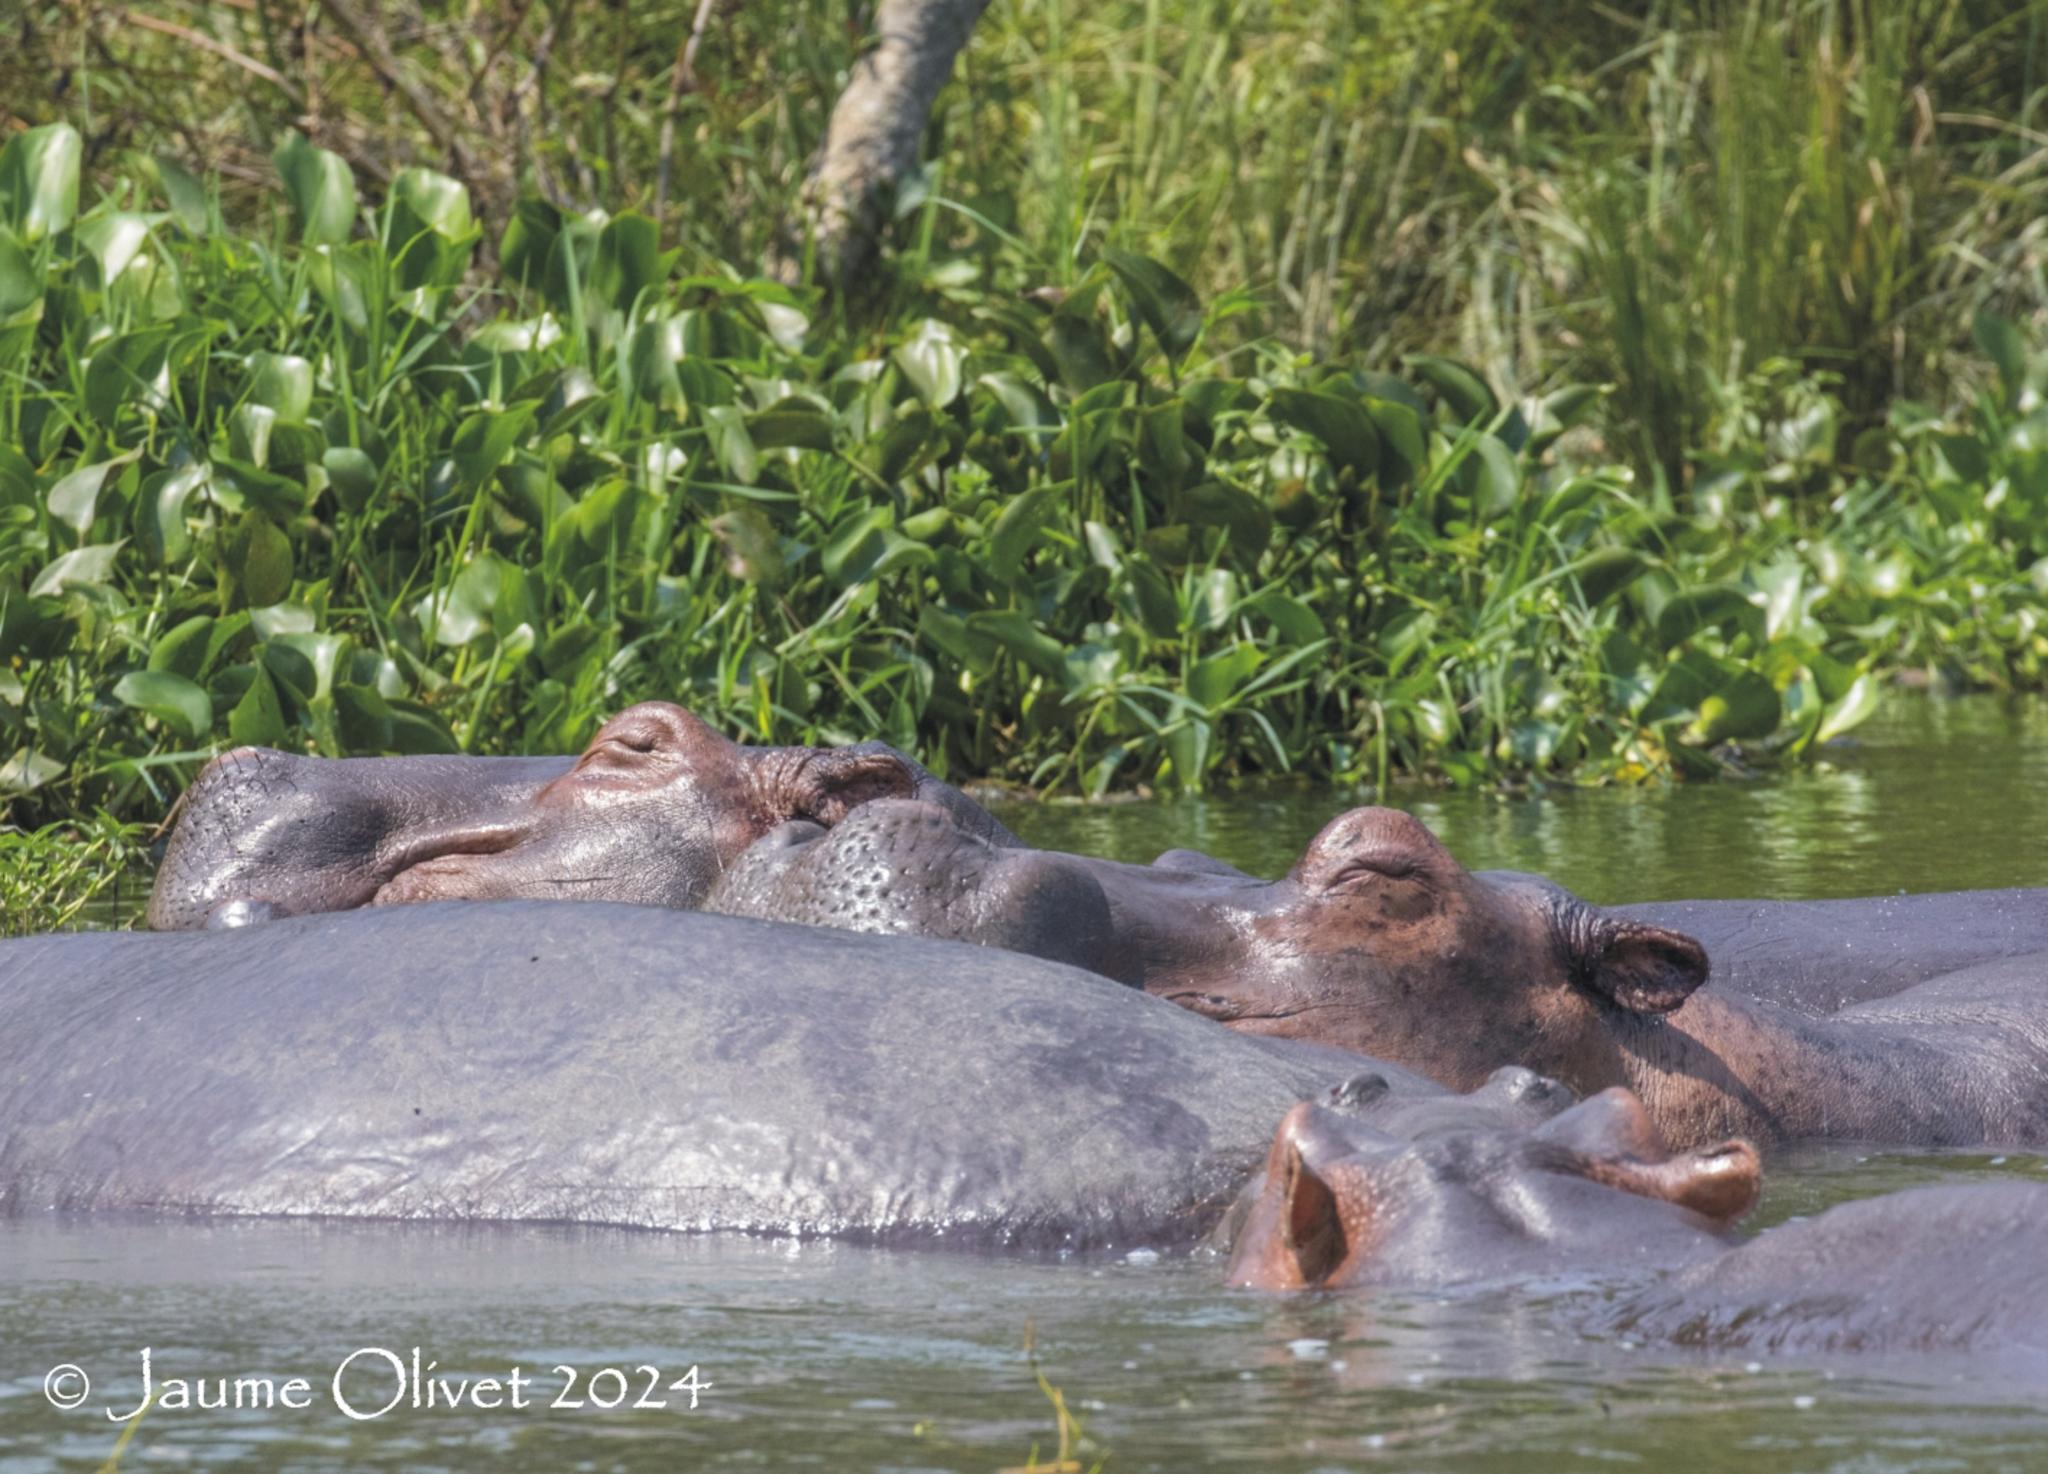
(1641, 967)
(1294, 1237)
(830, 784)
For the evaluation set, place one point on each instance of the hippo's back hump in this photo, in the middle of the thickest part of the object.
(618, 1064)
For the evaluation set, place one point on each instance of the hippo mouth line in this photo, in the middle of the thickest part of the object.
(430, 854)
(1230, 1011)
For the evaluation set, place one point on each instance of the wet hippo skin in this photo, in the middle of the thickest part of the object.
(653, 809)
(1595, 1192)
(618, 1064)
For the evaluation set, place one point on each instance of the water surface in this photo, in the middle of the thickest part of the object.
(834, 1358)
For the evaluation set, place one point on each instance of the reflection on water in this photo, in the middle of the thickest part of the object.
(837, 1358)
(1930, 795)
(834, 1358)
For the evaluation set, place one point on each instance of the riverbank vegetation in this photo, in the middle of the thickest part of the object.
(1454, 391)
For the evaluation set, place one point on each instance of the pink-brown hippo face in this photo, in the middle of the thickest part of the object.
(654, 809)
(1594, 1188)
(1380, 941)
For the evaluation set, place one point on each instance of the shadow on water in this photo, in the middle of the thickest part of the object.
(837, 1358)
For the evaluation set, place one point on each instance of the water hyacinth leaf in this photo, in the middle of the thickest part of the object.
(320, 188)
(652, 350)
(85, 566)
(1166, 304)
(430, 230)
(123, 369)
(1342, 425)
(1015, 633)
(1854, 707)
(257, 720)
(1605, 572)
(1705, 606)
(172, 699)
(1074, 341)
(1018, 529)
(732, 444)
(626, 261)
(351, 474)
(1214, 679)
(74, 498)
(1246, 521)
(39, 170)
(461, 613)
(1496, 481)
(2001, 341)
(182, 650)
(1747, 707)
(791, 423)
(482, 441)
(161, 512)
(1463, 392)
(1404, 444)
(1151, 598)
(115, 239)
(1024, 404)
(932, 360)
(259, 557)
(184, 194)
(28, 770)
(307, 663)
(21, 285)
(1292, 620)
(283, 384)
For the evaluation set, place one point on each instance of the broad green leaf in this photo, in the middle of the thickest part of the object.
(74, 497)
(320, 188)
(1341, 424)
(2002, 343)
(21, 285)
(1463, 392)
(1018, 529)
(1704, 606)
(182, 649)
(283, 384)
(259, 556)
(1747, 707)
(732, 443)
(794, 423)
(1214, 679)
(1605, 572)
(1496, 481)
(86, 566)
(184, 194)
(115, 240)
(1167, 305)
(627, 260)
(258, 718)
(1294, 621)
(39, 170)
(430, 230)
(1855, 706)
(171, 699)
(932, 360)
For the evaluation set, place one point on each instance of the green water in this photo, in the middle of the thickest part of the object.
(1929, 795)
(834, 1358)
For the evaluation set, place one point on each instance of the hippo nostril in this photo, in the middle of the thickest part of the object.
(1359, 1091)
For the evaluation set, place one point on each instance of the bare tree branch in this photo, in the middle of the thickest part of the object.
(871, 143)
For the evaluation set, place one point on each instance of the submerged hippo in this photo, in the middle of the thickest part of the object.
(1379, 941)
(627, 1065)
(1596, 1191)
(655, 806)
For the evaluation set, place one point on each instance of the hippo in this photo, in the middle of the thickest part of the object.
(652, 809)
(1820, 956)
(1595, 1191)
(1379, 941)
(605, 1063)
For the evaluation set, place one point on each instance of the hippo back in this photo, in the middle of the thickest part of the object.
(624, 1065)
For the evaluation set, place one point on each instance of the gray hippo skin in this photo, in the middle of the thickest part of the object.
(652, 810)
(1380, 942)
(625, 1065)
(1820, 956)
(1595, 1191)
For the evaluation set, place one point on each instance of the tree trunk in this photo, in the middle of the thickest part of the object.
(872, 141)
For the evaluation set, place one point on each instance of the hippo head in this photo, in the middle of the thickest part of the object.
(1344, 1202)
(1379, 941)
(653, 810)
